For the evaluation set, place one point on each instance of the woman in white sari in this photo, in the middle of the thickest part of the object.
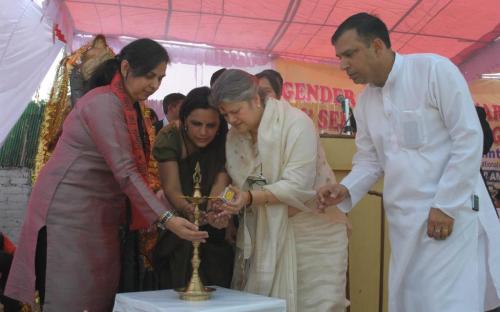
(285, 248)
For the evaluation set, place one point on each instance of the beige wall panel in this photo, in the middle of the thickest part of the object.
(366, 243)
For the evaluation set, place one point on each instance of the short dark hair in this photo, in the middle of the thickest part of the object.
(198, 98)
(172, 99)
(216, 75)
(367, 26)
(274, 79)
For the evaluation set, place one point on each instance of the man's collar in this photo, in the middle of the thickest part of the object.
(393, 74)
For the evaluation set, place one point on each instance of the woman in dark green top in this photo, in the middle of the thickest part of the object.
(198, 137)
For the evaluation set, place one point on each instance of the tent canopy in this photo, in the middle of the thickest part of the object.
(292, 28)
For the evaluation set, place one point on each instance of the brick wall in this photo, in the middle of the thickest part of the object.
(15, 187)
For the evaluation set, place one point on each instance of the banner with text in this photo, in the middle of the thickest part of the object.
(315, 88)
(486, 93)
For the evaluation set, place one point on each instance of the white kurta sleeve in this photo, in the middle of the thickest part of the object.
(366, 169)
(450, 94)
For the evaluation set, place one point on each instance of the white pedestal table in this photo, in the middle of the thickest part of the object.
(222, 300)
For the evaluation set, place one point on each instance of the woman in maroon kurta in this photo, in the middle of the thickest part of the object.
(79, 199)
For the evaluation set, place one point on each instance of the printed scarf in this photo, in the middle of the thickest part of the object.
(141, 154)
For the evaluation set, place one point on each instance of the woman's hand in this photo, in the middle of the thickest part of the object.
(217, 220)
(187, 210)
(202, 219)
(214, 214)
(240, 200)
(186, 230)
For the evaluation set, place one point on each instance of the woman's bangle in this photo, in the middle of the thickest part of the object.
(250, 198)
(164, 218)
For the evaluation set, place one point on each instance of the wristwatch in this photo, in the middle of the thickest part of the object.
(167, 215)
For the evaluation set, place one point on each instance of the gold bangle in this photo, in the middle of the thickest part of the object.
(250, 198)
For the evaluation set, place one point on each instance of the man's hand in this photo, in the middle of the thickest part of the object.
(331, 194)
(439, 224)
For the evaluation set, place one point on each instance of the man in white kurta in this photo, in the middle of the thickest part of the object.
(417, 127)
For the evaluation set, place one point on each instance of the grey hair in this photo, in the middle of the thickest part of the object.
(234, 85)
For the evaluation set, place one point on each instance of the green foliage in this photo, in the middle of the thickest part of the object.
(20, 147)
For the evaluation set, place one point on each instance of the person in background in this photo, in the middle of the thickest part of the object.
(7, 249)
(285, 248)
(497, 201)
(216, 75)
(69, 248)
(418, 128)
(199, 138)
(271, 83)
(172, 104)
(485, 126)
(490, 295)
(487, 144)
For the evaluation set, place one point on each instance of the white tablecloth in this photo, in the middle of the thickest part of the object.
(222, 299)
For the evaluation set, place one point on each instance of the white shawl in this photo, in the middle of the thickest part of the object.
(294, 165)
